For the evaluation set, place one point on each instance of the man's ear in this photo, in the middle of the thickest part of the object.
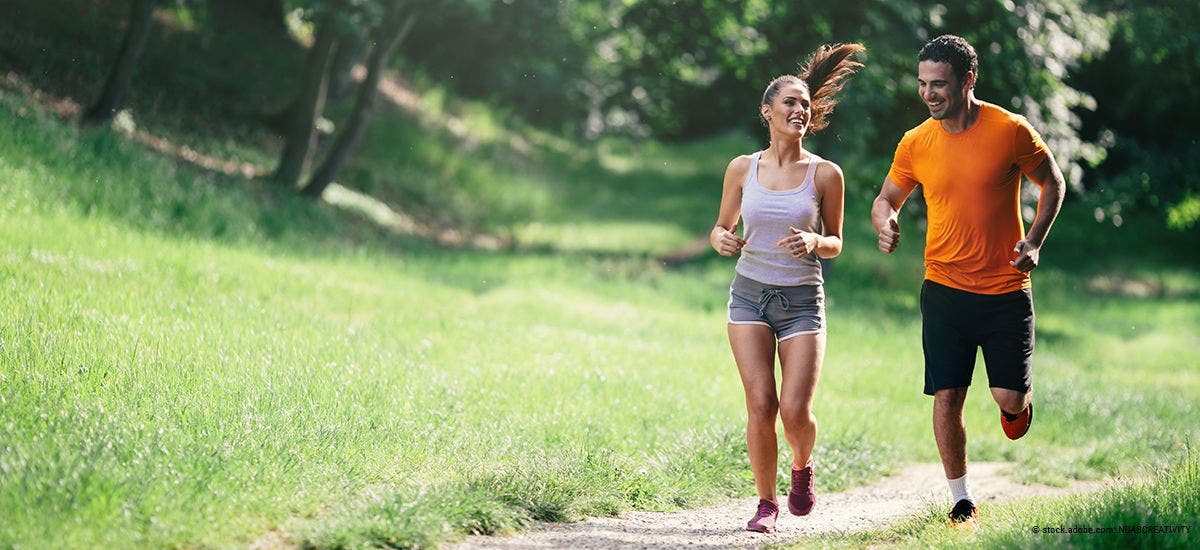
(970, 80)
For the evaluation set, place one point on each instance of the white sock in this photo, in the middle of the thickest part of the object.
(960, 490)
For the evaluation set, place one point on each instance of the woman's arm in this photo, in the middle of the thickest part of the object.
(723, 237)
(831, 185)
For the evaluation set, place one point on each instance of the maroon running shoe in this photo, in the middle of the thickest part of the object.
(764, 518)
(801, 498)
(1015, 425)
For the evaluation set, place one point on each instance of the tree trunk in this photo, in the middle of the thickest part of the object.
(345, 55)
(349, 50)
(119, 78)
(301, 134)
(389, 33)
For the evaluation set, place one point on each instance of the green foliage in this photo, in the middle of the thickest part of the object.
(696, 80)
(644, 68)
(1185, 214)
(1146, 89)
(593, 67)
(524, 55)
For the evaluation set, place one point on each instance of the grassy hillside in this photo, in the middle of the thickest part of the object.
(191, 358)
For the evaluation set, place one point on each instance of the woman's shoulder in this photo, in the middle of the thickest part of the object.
(828, 172)
(743, 160)
(740, 165)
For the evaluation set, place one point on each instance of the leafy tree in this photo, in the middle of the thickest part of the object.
(1147, 88)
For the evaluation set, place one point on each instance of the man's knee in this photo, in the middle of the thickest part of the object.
(1010, 401)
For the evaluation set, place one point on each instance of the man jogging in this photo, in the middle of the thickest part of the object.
(969, 157)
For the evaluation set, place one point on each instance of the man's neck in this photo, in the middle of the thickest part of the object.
(965, 118)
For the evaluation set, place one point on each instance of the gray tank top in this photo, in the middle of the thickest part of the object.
(766, 215)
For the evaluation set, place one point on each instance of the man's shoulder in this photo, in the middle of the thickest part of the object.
(925, 128)
(995, 114)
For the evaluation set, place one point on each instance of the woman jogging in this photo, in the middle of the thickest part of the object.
(791, 203)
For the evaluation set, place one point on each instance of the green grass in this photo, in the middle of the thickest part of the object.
(1160, 512)
(191, 359)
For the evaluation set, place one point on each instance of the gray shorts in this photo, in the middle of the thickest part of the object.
(787, 310)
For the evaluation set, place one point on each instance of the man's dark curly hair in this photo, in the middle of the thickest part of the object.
(954, 50)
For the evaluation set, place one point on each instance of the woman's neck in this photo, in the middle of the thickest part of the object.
(784, 150)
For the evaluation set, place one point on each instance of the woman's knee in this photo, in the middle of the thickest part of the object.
(797, 417)
(762, 409)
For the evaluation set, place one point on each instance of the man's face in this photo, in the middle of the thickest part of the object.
(941, 90)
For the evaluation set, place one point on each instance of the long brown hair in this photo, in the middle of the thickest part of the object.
(825, 74)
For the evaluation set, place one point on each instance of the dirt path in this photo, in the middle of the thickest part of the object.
(722, 526)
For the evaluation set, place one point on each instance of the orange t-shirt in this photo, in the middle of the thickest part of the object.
(972, 185)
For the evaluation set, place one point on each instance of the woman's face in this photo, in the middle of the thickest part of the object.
(789, 112)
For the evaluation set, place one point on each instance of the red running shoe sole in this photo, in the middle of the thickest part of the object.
(1020, 425)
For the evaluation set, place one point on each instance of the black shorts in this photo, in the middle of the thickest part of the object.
(954, 323)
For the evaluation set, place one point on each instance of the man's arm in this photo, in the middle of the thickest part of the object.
(884, 214)
(1050, 178)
